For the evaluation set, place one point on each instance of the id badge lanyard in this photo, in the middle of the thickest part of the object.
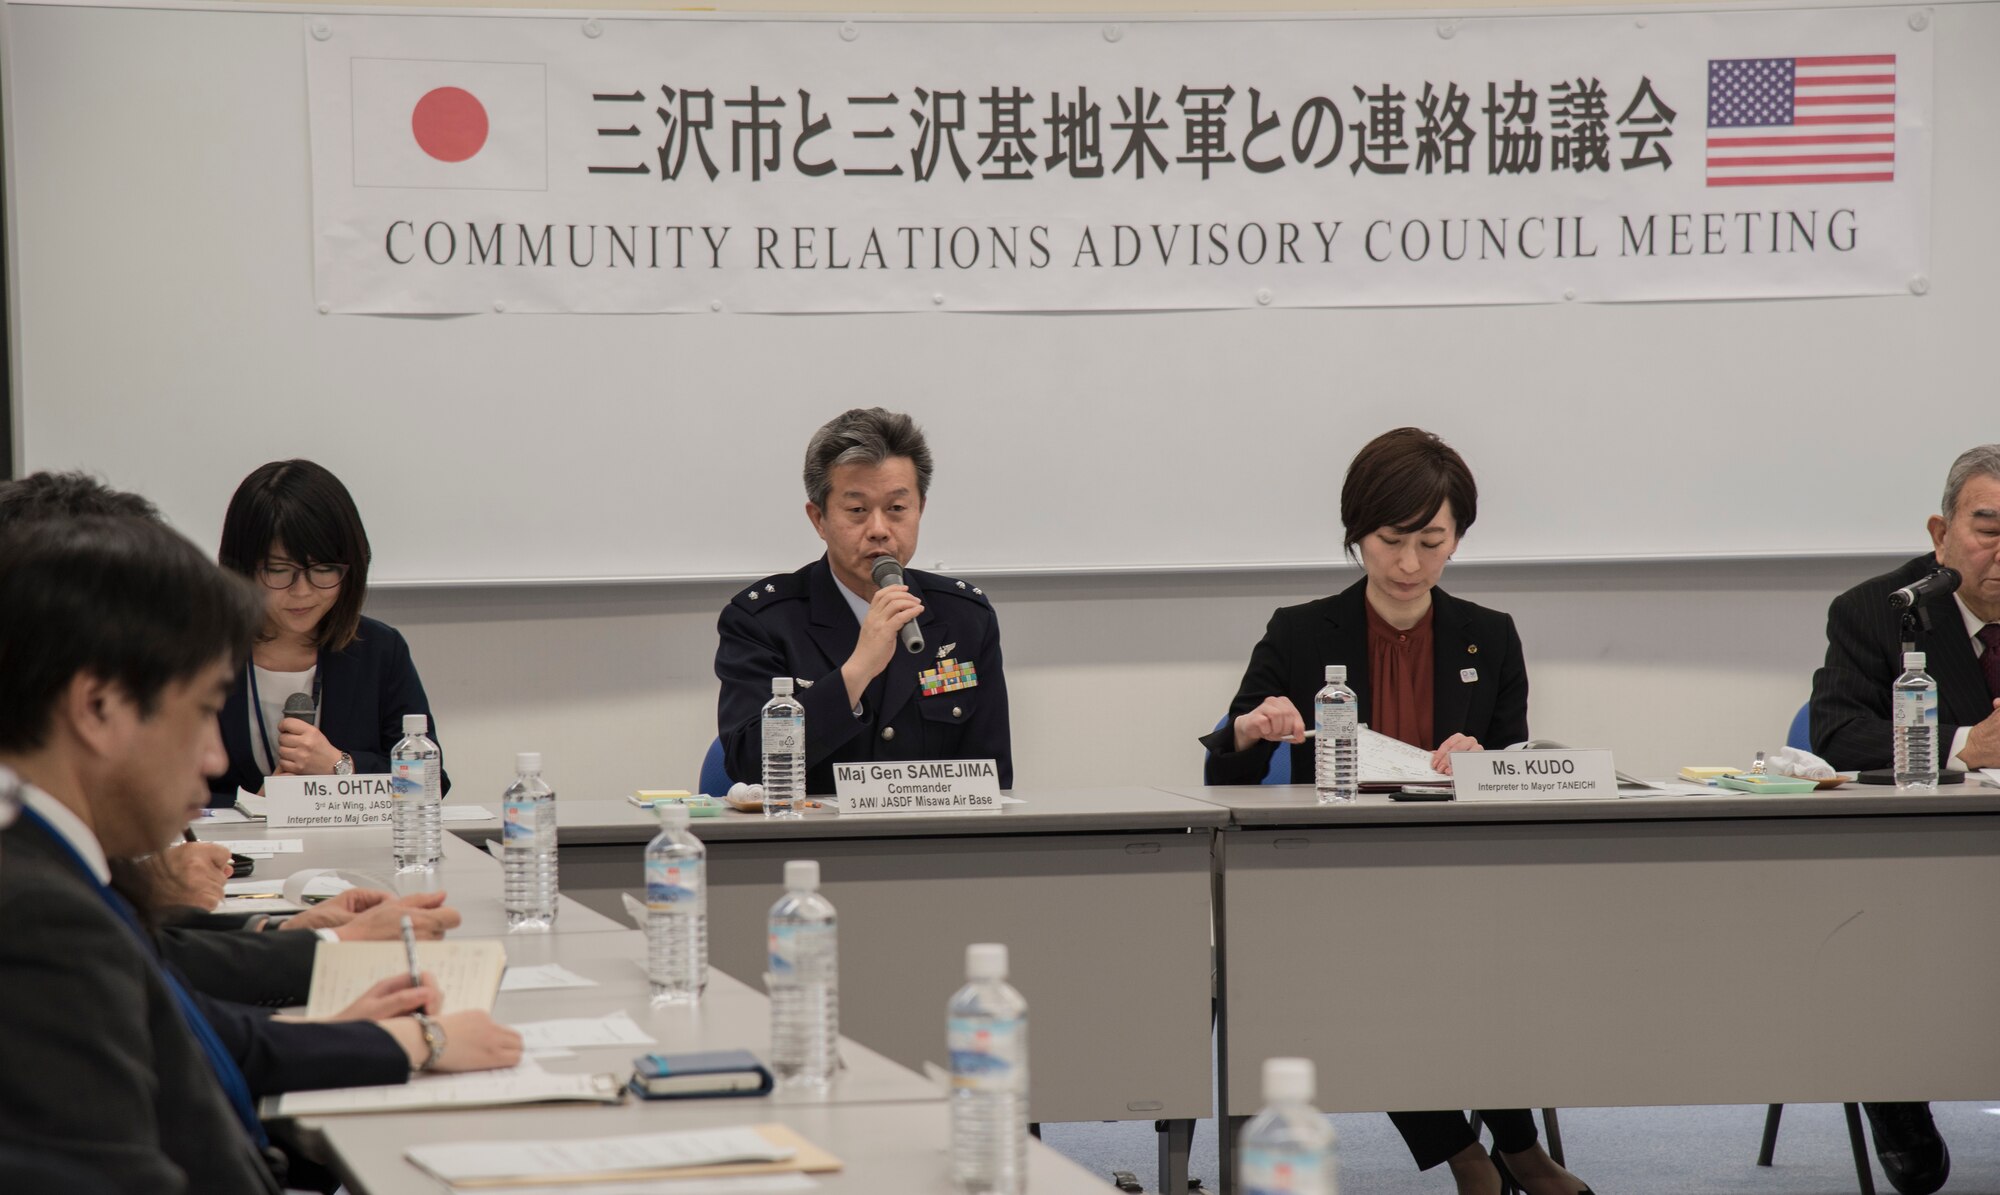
(257, 711)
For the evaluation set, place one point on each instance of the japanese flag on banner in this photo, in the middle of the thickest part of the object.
(450, 125)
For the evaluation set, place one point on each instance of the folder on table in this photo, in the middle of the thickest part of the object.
(693, 1153)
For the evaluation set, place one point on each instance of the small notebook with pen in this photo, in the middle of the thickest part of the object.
(706, 1073)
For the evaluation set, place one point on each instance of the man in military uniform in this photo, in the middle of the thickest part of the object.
(832, 629)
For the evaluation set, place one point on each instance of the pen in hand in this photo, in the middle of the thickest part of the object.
(410, 949)
(187, 834)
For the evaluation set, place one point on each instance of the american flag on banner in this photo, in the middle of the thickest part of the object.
(1792, 121)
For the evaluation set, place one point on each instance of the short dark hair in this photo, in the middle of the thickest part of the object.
(1401, 479)
(127, 600)
(306, 508)
(46, 495)
(864, 436)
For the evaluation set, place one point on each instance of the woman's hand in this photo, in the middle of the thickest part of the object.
(394, 997)
(191, 874)
(1441, 758)
(303, 750)
(1277, 720)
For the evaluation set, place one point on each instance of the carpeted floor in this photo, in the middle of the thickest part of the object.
(1619, 1151)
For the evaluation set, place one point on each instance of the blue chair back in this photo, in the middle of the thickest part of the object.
(1280, 769)
(1800, 735)
(715, 779)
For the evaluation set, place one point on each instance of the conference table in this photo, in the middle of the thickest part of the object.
(1102, 897)
(1648, 950)
(886, 1122)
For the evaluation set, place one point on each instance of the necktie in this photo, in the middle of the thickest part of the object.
(1989, 660)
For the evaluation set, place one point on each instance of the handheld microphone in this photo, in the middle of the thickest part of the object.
(1938, 584)
(300, 706)
(888, 572)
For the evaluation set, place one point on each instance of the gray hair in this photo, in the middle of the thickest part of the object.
(1983, 461)
(864, 436)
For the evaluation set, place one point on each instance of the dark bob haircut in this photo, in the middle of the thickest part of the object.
(123, 599)
(304, 507)
(1401, 479)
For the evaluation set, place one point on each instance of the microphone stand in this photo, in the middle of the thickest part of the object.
(1917, 615)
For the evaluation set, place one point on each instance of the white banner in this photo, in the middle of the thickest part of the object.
(688, 163)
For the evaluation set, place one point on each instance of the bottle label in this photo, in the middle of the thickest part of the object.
(783, 736)
(1916, 707)
(409, 779)
(518, 822)
(985, 1052)
(792, 945)
(1280, 1172)
(1335, 721)
(673, 885)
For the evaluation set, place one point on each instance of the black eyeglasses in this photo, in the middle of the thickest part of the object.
(319, 576)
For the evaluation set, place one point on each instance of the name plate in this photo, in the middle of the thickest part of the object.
(1532, 775)
(918, 786)
(328, 800)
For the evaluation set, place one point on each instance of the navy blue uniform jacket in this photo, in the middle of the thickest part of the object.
(1864, 656)
(800, 625)
(1299, 643)
(364, 691)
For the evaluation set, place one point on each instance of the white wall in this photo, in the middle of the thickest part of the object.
(1111, 678)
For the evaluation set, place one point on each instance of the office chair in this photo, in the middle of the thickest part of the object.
(1800, 737)
(1279, 771)
(715, 779)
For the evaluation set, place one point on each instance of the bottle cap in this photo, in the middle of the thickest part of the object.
(528, 761)
(802, 875)
(986, 960)
(1336, 674)
(1913, 661)
(416, 723)
(672, 813)
(1289, 1079)
(781, 686)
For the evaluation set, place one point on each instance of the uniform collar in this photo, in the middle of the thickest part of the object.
(70, 828)
(855, 602)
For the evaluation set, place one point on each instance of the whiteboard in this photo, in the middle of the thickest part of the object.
(168, 340)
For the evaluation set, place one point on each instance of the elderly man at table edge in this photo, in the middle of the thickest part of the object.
(829, 626)
(1850, 709)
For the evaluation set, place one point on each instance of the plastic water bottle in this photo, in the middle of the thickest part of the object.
(676, 910)
(988, 1038)
(784, 751)
(528, 836)
(804, 981)
(1915, 716)
(1287, 1149)
(1337, 745)
(416, 798)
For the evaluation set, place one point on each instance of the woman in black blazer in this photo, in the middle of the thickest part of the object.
(293, 528)
(1436, 671)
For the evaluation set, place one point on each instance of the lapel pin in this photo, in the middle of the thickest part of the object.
(1468, 675)
(944, 653)
(1472, 649)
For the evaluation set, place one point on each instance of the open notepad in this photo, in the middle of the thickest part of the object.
(691, 1153)
(527, 1083)
(469, 972)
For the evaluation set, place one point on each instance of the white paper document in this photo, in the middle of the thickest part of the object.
(475, 1161)
(264, 848)
(1383, 760)
(543, 977)
(468, 971)
(527, 1083)
(582, 1033)
(742, 1184)
(253, 805)
(220, 817)
(465, 813)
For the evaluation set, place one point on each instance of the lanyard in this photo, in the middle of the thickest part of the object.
(257, 709)
(227, 1073)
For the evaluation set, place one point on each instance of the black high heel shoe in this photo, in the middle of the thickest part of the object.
(1508, 1186)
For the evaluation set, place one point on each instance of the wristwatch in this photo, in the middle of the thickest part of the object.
(433, 1040)
(344, 766)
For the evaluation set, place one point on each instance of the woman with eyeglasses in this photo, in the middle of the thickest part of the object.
(294, 530)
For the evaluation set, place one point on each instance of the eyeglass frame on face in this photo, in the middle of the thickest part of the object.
(291, 572)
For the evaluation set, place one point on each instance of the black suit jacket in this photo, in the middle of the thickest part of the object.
(1291, 659)
(1864, 656)
(272, 968)
(96, 1064)
(799, 625)
(364, 691)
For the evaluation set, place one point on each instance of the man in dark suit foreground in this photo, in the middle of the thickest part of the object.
(1850, 709)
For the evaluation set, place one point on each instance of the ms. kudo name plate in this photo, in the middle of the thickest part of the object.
(1532, 775)
(327, 800)
(918, 786)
